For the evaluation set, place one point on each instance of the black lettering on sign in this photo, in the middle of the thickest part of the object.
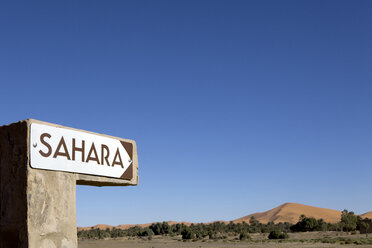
(42, 140)
(65, 153)
(103, 156)
(77, 149)
(62, 151)
(117, 155)
(92, 150)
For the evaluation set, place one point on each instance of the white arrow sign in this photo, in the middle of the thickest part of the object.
(61, 149)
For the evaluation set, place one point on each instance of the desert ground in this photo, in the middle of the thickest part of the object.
(159, 244)
(306, 240)
(288, 212)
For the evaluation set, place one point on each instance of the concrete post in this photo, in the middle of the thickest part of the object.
(38, 207)
(51, 202)
(13, 186)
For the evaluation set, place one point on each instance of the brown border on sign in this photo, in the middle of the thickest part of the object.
(128, 174)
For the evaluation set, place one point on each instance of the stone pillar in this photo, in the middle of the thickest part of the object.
(13, 186)
(38, 207)
(51, 199)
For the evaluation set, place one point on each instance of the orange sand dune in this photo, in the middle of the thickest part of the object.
(127, 226)
(291, 212)
(288, 212)
(99, 226)
(104, 227)
(367, 215)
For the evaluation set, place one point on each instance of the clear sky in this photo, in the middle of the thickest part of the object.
(236, 106)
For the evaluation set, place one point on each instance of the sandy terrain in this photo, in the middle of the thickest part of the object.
(258, 241)
(176, 244)
(367, 215)
(126, 226)
(290, 212)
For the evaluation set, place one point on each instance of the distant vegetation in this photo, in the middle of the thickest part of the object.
(219, 230)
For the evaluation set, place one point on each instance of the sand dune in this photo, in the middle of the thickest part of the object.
(127, 226)
(104, 227)
(290, 212)
(367, 215)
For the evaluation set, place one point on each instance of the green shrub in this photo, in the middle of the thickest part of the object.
(244, 236)
(146, 232)
(187, 234)
(278, 235)
(349, 221)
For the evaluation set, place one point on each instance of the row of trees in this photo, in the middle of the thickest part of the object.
(349, 222)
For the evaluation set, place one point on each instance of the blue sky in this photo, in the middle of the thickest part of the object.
(236, 106)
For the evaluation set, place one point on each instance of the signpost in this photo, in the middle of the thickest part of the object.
(40, 165)
(60, 149)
